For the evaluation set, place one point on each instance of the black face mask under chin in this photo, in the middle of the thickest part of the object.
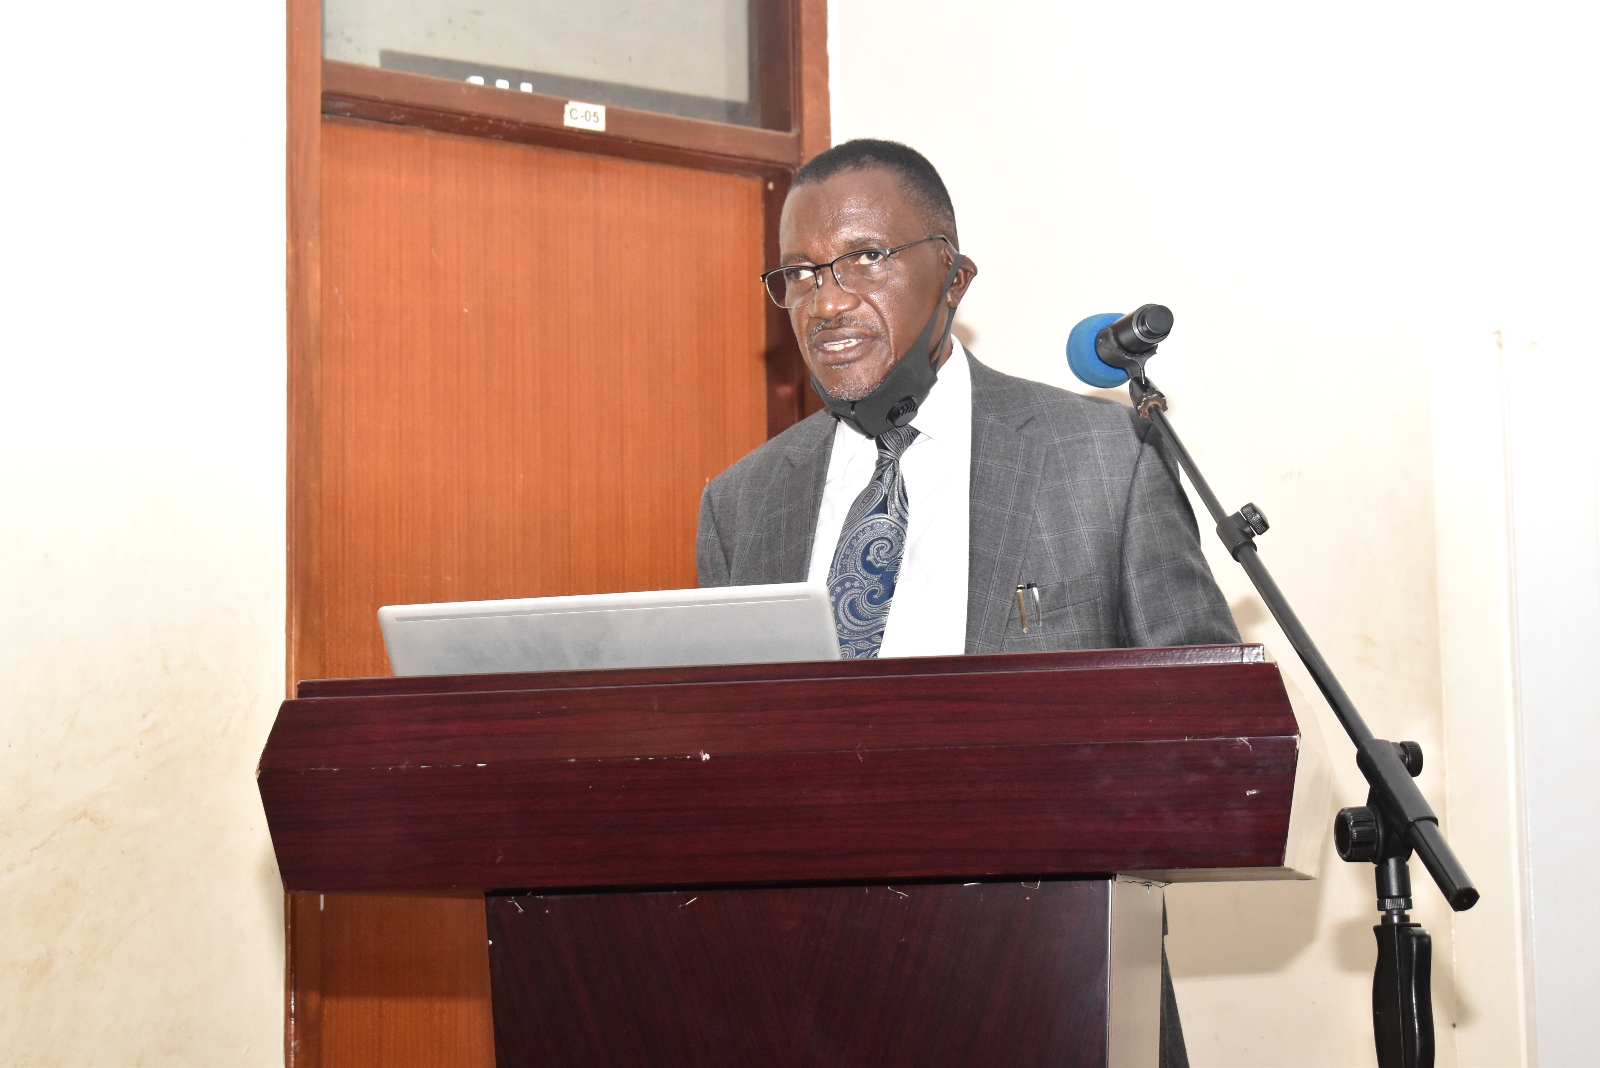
(895, 400)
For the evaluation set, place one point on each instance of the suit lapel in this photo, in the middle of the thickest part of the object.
(790, 527)
(1007, 464)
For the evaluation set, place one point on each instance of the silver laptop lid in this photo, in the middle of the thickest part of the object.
(662, 628)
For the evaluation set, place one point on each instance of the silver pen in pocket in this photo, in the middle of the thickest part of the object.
(1027, 604)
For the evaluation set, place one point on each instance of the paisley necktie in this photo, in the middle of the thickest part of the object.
(867, 561)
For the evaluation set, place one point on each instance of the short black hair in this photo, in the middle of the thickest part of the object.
(922, 181)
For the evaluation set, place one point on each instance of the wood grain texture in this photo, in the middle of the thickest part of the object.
(948, 773)
(533, 361)
(788, 384)
(816, 126)
(993, 974)
(302, 1008)
(404, 981)
(773, 52)
(302, 1037)
(304, 310)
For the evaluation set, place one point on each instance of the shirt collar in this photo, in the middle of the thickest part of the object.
(947, 412)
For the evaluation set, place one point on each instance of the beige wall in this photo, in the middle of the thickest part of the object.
(141, 533)
(1335, 184)
(1344, 207)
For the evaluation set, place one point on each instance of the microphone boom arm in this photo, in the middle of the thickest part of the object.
(1383, 769)
(1397, 818)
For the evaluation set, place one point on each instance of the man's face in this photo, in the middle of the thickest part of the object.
(851, 341)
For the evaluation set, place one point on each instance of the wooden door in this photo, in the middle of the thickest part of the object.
(532, 362)
(517, 354)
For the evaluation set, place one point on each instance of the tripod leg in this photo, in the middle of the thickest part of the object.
(1402, 1003)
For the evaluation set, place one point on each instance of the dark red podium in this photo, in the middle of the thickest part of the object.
(878, 862)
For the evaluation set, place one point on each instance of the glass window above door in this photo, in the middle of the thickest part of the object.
(695, 58)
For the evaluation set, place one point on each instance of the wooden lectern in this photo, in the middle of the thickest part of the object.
(888, 862)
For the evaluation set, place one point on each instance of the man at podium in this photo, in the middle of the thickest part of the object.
(947, 507)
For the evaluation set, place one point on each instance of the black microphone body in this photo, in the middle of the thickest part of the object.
(1105, 349)
(1128, 342)
(1142, 329)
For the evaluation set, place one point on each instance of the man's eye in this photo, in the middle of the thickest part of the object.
(872, 257)
(798, 275)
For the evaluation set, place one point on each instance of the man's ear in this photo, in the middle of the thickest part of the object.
(964, 277)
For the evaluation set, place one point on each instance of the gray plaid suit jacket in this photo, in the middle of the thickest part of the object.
(1072, 493)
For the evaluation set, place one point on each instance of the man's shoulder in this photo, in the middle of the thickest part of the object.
(777, 454)
(1036, 407)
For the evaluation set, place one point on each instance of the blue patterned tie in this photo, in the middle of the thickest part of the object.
(867, 561)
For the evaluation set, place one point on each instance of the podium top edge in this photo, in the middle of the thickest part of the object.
(1076, 660)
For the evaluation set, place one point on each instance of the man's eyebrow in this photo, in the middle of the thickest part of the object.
(866, 241)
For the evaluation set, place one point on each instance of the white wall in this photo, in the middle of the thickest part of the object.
(142, 440)
(1343, 205)
(1551, 458)
(1353, 199)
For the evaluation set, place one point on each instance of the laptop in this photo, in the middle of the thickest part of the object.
(662, 628)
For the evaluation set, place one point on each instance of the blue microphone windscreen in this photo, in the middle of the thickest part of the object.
(1084, 361)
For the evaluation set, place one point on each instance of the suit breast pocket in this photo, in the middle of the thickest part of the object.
(1070, 616)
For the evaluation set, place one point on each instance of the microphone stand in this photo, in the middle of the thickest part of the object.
(1395, 820)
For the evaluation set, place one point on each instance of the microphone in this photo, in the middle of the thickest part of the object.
(1103, 348)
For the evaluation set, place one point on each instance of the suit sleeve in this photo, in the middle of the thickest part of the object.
(1168, 594)
(711, 561)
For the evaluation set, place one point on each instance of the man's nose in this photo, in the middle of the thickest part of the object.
(831, 298)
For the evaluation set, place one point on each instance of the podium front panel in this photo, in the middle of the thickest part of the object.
(881, 975)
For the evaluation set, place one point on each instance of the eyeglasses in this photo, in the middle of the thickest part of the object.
(860, 272)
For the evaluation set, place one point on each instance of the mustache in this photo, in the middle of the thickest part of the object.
(866, 329)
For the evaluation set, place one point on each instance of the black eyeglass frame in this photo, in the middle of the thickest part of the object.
(817, 268)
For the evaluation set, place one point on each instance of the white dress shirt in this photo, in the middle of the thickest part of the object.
(928, 616)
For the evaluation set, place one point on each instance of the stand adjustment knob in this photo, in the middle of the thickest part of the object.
(1357, 835)
(1252, 516)
(1410, 756)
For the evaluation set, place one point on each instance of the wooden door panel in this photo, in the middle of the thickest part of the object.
(389, 980)
(532, 362)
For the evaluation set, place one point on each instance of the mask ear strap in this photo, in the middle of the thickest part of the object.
(925, 339)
